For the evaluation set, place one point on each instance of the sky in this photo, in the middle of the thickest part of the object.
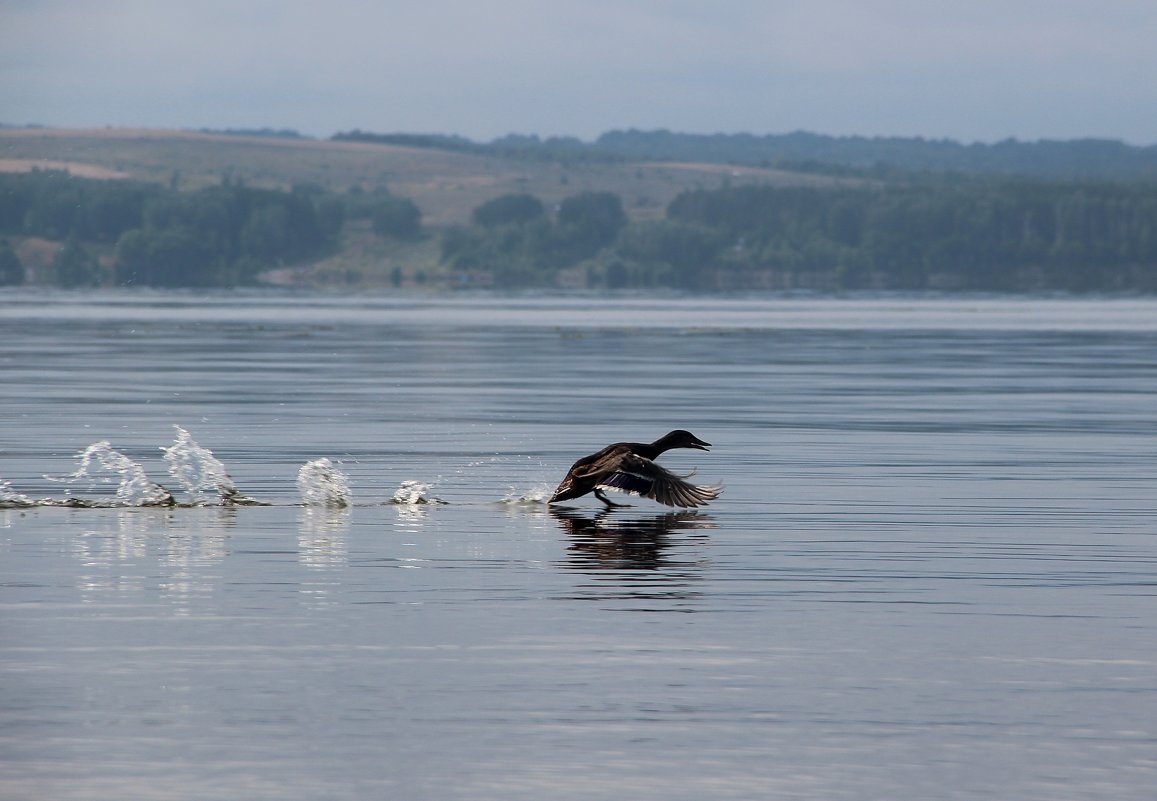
(974, 71)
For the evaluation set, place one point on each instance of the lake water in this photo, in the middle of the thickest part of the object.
(932, 573)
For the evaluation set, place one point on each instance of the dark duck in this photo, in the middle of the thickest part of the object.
(630, 467)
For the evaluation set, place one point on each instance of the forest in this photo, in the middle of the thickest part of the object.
(158, 236)
(982, 235)
(944, 232)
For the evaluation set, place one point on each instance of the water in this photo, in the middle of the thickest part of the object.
(931, 573)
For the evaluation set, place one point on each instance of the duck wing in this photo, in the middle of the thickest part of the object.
(638, 476)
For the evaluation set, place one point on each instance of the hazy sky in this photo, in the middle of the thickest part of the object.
(972, 70)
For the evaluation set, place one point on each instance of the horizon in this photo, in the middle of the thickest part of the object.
(984, 72)
(276, 131)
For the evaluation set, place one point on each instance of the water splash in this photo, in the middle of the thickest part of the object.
(410, 493)
(538, 494)
(201, 474)
(322, 483)
(134, 488)
(11, 499)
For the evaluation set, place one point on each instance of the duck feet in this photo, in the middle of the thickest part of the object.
(608, 501)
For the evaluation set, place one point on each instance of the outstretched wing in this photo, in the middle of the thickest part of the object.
(639, 476)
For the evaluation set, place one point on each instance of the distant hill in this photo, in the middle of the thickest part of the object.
(1071, 159)
(631, 209)
(448, 177)
(1078, 158)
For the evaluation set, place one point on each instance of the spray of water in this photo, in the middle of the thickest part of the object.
(101, 463)
(201, 474)
(537, 494)
(196, 469)
(409, 493)
(11, 499)
(322, 483)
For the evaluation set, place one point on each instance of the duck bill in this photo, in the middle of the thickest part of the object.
(699, 444)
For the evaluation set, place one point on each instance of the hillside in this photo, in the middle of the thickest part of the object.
(447, 186)
(196, 209)
(1075, 159)
(1072, 159)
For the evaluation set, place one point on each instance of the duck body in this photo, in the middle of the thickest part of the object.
(630, 467)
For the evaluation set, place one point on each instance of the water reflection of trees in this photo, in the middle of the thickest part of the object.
(635, 556)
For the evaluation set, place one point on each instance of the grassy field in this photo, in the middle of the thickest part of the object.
(446, 186)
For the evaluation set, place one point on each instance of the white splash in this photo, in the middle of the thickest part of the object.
(135, 488)
(409, 493)
(322, 483)
(540, 493)
(199, 472)
(11, 499)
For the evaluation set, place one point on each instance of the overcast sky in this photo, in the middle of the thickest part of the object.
(971, 70)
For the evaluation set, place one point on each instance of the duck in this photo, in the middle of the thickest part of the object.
(630, 467)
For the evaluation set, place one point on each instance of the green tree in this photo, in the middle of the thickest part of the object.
(511, 209)
(592, 219)
(17, 192)
(331, 215)
(397, 217)
(172, 257)
(689, 248)
(266, 234)
(110, 208)
(55, 208)
(73, 266)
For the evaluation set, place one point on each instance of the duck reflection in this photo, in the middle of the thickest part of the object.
(609, 541)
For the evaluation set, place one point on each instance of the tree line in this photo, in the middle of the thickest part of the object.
(515, 242)
(554, 149)
(222, 235)
(984, 235)
(1058, 159)
(1083, 159)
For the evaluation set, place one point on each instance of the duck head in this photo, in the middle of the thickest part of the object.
(680, 438)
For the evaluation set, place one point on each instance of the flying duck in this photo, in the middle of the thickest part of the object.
(630, 467)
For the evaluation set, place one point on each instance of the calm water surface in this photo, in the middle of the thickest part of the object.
(933, 573)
